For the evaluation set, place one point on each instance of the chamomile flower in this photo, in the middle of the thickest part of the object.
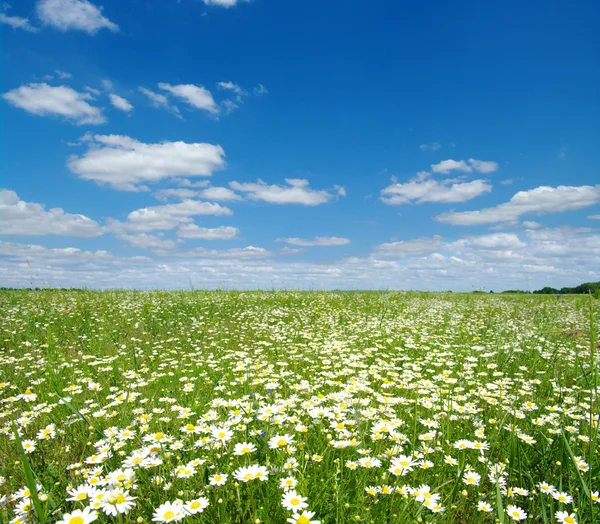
(169, 512)
(84, 516)
(292, 501)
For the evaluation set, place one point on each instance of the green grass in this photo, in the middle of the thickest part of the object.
(368, 376)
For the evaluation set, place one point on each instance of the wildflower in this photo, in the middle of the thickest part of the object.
(471, 478)
(280, 441)
(303, 518)
(563, 497)
(292, 501)
(516, 513)
(218, 480)
(80, 493)
(169, 512)
(117, 501)
(28, 446)
(288, 483)
(79, 517)
(402, 465)
(423, 493)
(243, 448)
(546, 488)
(222, 434)
(484, 506)
(369, 462)
(566, 517)
(197, 505)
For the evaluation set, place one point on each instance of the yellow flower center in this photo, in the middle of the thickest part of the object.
(302, 520)
(294, 501)
(281, 442)
(169, 515)
(76, 520)
(195, 504)
(81, 496)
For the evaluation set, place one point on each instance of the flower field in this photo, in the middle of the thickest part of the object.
(300, 407)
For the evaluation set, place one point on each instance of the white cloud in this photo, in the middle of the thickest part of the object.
(159, 100)
(249, 252)
(220, 194)
(225, 3)
(195, 96)
(43, 99)
(430, 147)
(167, 216)
(230, 86)
(260, 90)
(541, 200)
(148, 241)
(206, 233)
(62, 74)
(176, 193)
(290, 250)
(296, 192)
(423, 190)
(483, 167)
(316, 241)
(406, 248)
(73, 14)
(120, 103)
(19, 218)
(497, 241)
(507, 182)
(426, 264)
(186, 183)
(594, 217)
(124, 162)
(446, 166)
(530, 224)
(16, 22)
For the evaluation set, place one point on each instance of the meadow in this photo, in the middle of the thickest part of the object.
(299, 407)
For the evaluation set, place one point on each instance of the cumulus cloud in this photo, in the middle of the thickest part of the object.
(73, 14)
(175, 193)
(406, 248)
(20, 218)
(316, 241)
(447, 166)
(124, 163)
(206, 233)
(421, 190)
(43, 99)
(220, 194)
(249, 252)
(594, 217)
(167, 216)
(148, 241)
(476, 262)
(297, 191)
(541, 200)
(159, 100)
(120, 103)
(234, 88)
(195, 96)
(17, 22)
(493, 241)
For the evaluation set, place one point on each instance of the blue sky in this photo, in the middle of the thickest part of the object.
(300, 144)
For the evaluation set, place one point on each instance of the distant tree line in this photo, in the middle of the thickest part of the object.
(582, 289)
(586, 288)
